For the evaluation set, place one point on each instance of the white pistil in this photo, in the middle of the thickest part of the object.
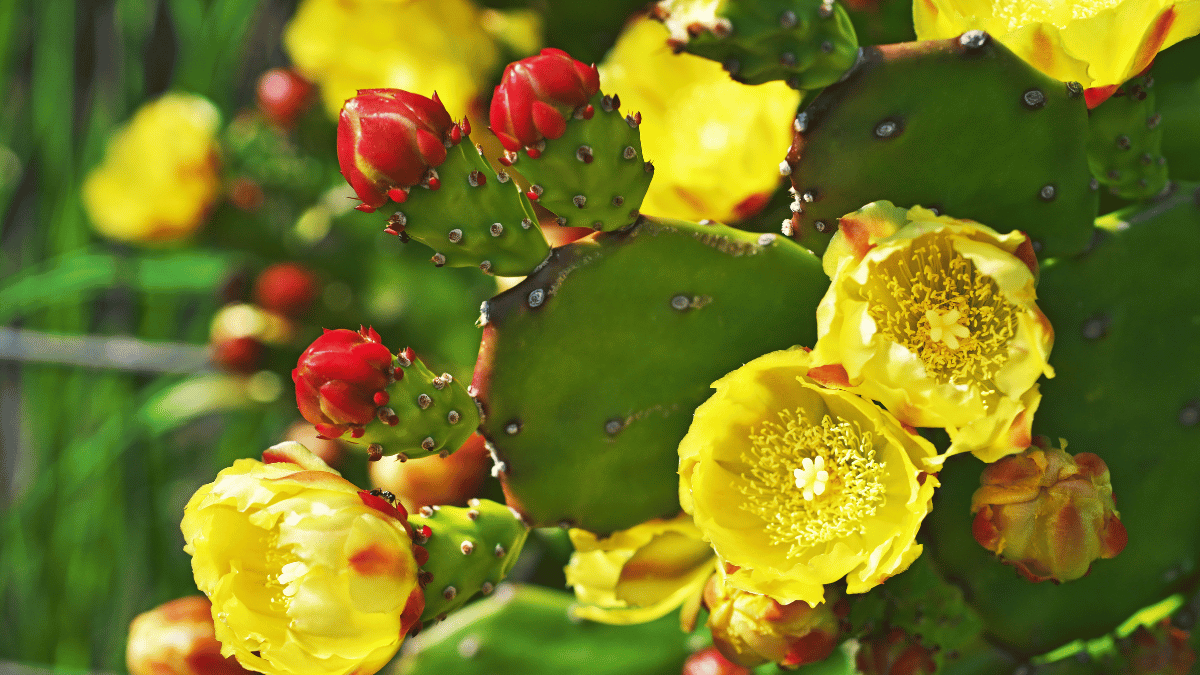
(811, 477)
(946, 327)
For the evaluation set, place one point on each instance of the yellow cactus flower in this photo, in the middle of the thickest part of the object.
(640, 574)
(417, 45)
(160, 174)
(935, 318)
(738, 479)
(1099, 43)
(306, 573)
(715, 144)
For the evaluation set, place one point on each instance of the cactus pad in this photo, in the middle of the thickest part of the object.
(424, 414)
(594, 175)
(475, 217)
(1127, 388)
(1125, 144)
(591, 367)
(525, 629)
(807, 43)
(470, 549)
(916, 124)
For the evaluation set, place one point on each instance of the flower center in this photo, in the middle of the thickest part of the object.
(937, 305)
(837, 486)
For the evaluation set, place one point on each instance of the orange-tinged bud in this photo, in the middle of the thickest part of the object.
(896, 653)
(177, 638)
(1048, 513)
(286, 288)
(283, 95)
(1161, 649)
(751, 629)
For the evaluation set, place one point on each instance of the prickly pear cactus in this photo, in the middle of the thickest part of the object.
(807, 44)
(1125, 142)
(471, 550)
(917, 123)
(585, 391)
(1126, 353)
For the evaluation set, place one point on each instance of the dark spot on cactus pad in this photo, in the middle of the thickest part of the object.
(1033, 98)
(536, 297)
(787, 59)
(1153, 121)
(455, 235)
(1123, 142)
(438, 260)
(496, 229)
(680, 302)
(787, 19)
(1094, 185)
(1096, 326)
(1189, 415)
(889, 128)
(827, 47)
(614, 426)
(1048, 192)
(1074, 90)
(513, 428)
(823, 226)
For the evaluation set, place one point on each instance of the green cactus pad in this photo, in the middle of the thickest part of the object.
(594, 175)
(591, 367)
(962, 126)
(471, 550)
(425, 414)
(476, 218)
(526, 629)
(807, 43)
(1125, 143)
(1127, 357)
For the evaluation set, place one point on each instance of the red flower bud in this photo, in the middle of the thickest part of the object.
(387, 140)
(1048, 513)
(708, 661)
(337, 378)
(286, 288)
(537, 95)
(896, 653)
(283, 95)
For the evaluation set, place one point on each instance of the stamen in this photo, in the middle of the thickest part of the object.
(837, 487)
(934, 302)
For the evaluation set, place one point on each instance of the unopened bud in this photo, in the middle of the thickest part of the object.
(751, 629)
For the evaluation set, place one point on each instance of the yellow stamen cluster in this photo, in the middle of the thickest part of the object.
(938, 306)
(801, 517)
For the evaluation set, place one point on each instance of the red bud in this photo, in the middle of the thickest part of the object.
(337, 379)
(538, 95)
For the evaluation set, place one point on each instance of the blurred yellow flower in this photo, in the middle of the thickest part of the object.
(160, 174)
(639, 574)
(738, 478)
(306, 573)
(176, 638)
(420, 46)
(715, 144)
(1098, 43)
(934, 317)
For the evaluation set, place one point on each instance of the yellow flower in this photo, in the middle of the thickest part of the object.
(716, 144)
(1098, 43)
(417, 45)
(160, 173)
(639, 574)
(935, 318)
(737, 478)
(306, 573)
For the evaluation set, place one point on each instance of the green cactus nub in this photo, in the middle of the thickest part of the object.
(471, 550)
(424, 414)
(475, 217)
(594, 175)
(1125, 142)
(809, 44)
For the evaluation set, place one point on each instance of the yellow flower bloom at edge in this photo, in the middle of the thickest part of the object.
(742, 477)
(935, 318)
(1098, 43)
(306, 573)
(640, 574)
(160, 174)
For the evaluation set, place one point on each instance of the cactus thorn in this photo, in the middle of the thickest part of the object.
(536, 297)
(822, 226)
(512, 428)
(825, 10)
(1153, 120)
(618, 200)
(428, 443)
(973, 39)
(560, 221)
(388, 416)
(827, 47)
(405, 357)
(473, 514)
(449, 593)
(401, 457)
(887, 128)
(584, 154)
(467, 547)
(766, 239)
(438, 260)
(476, 178)
(1048, 192)
(732, 66)
(1033, 98)
(499, 551)
(496, 229)
(801, 123)
(788, 59)
(1123, 142)
(1189, 415)
(579, 201)
(374, 453)
(1074, 90)
(455, 235)
(786, 228)
(613, 426)
(526, 223)
(453, 417)
(486, 588)
(423, 401)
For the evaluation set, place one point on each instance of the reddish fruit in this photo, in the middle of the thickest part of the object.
(283, 95)
(538, 95)
(286, 288)
(709, 661)
(238, 355)
(434, 480)
(388, 139)
(337, 378)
